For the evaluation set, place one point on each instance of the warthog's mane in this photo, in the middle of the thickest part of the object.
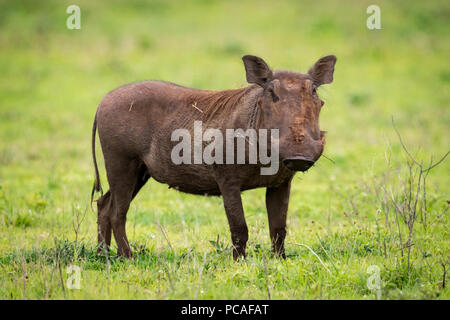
(218, 103)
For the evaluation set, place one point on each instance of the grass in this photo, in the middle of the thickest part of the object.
(339, 224)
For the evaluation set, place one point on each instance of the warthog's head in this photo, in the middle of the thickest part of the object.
(290, 103)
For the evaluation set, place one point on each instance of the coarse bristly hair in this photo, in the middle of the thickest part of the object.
(214, 103)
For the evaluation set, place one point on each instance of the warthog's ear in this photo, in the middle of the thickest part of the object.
(257, 70)
(322, 71)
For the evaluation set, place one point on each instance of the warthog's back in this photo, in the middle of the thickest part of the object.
(137, 121)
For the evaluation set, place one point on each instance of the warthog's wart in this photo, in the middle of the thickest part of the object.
(213, 153)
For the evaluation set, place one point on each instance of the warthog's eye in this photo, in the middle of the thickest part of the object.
(274, 96)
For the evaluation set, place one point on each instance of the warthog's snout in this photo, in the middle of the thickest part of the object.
(298, 163)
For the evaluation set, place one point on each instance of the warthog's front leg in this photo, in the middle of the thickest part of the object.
(232, 201)
(277, 201)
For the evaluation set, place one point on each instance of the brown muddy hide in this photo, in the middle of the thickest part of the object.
(290, 103)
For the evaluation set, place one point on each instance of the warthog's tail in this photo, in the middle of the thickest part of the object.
(97, 185)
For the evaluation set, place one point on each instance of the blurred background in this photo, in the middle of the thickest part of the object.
(53, 78)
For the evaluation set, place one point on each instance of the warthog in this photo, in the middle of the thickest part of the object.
(136, 123)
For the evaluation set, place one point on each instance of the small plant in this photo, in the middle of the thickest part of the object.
(78, 217)
(219, 245)
(413, 191)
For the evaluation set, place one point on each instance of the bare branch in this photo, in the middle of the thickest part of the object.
(437, 163)
(403, 145)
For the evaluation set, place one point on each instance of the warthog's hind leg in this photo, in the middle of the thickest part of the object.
(126, 177)
(104, 223)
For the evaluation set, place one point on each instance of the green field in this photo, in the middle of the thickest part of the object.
(345, 215)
